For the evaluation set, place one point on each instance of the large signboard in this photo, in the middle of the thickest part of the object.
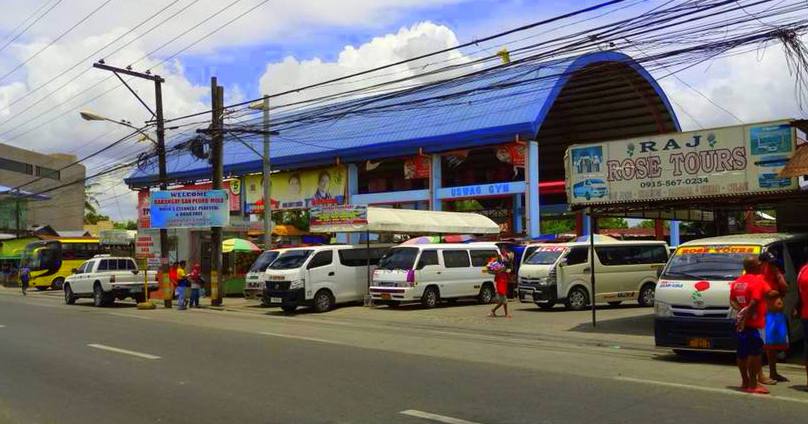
(143, 209)
(233, 188)
(298, 190)
(189, 209)
(326, 218)
(722, 161)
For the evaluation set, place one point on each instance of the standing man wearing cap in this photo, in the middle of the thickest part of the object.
(776, 334)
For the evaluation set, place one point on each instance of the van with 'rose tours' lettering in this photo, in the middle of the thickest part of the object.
(691, 309)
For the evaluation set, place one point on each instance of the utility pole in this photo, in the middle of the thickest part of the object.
(217, 136)
(168, 292)
(267, 180)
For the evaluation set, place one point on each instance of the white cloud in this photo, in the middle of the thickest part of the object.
(755, 86)
(407, 43)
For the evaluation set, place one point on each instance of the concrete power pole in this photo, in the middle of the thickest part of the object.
(267, 179)
(217, 140)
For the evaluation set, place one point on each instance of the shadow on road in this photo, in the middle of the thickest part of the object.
(642, 325)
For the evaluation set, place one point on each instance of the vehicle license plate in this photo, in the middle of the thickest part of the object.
(386, 296)
(275, 300)
(699, 343)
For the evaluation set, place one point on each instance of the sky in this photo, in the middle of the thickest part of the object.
(46, 76)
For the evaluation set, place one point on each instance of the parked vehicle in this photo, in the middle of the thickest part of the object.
(429, 273)
(51, 261)
(692, 309)
(320, 276)
(255, 280)
(105, 278)
(560, 273)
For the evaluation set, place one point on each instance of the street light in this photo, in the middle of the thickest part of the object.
(263, 105)
(91, 116)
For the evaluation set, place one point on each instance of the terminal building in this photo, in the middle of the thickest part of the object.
(492, 143)
(24, 174)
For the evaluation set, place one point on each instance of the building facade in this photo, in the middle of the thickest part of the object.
(62, 209)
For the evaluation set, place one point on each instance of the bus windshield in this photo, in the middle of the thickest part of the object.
(708, 262)
(263, 261)
(42, 255)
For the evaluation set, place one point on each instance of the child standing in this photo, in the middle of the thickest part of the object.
(196, 285)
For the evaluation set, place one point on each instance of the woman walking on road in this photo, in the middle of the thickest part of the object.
(501, 268)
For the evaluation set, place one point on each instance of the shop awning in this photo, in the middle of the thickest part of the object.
(407, 221)
(797, 166)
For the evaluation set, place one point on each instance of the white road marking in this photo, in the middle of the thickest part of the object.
(123, 351)
(2, 326)
(435, 417)
(118, 314)
(308, 339)
(710, 389)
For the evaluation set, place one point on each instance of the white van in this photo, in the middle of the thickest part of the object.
(692, 309)
(254, 281)
(560, 273)
(319, 276)
(429, 273)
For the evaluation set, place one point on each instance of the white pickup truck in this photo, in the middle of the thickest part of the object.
(105, 278)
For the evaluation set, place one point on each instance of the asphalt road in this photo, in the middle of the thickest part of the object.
(80, 364)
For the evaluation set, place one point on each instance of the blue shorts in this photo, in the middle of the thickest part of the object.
(750, 342)
(776, 336)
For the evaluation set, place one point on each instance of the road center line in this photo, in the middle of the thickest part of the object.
(123, 351)
(710, 389)
(308, 339)
(435, 417)
(2, 326)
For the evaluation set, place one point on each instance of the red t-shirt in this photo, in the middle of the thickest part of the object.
(802, 284)
(502, 283)
(748, 288)
(774, 279)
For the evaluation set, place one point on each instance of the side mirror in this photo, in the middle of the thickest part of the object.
(74, 271)
(562, 262)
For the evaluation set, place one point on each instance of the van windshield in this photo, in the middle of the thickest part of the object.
(399, 258)
(708, 262)
(291, 259)
(263, 261)
(545, 256)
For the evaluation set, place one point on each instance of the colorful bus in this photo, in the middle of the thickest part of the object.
(51, 261)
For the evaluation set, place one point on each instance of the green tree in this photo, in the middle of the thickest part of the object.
(557, 226)
(612, 223)
(127, 225)
(91, 205)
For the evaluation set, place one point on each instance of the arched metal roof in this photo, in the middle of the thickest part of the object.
(591, 97)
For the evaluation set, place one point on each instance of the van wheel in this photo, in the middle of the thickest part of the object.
(323, 301)
(70, 298)
(288, 308)
(431, 297)
(577, 299)
(486, 294)
(646, 297)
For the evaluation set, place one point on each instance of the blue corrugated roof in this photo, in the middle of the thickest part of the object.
(483, 116)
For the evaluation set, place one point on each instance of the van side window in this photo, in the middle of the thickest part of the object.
(631, 255)
(428, 257)
(578, 255)
(481, 257)
(322, 258)
(456, 258)
(359, 257)
(798, 251)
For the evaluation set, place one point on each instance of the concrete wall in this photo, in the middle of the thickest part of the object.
(65, 209)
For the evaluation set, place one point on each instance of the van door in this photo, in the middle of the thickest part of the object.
(575, 270)
(478, 274)
(352, 273)
(428, 268)
(319, 272)
(614, 273)
(457, 266)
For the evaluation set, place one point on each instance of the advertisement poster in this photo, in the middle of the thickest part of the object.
(720, 161)
(512, 153)
(322, 217)
(143, 209)
(147, 244)
(233, 188)
(299, 190)
(189, 209)
(417, 167)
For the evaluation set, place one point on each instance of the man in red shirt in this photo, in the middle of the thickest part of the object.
(747, 298)
(775, 338)
(802, 310)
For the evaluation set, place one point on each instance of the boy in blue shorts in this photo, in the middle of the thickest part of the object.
(747, 298)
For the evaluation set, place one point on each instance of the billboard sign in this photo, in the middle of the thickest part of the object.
(233, 188)
(298, 190)
(189, 209)
(321, 218)
(721, 161)
(147, 245)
